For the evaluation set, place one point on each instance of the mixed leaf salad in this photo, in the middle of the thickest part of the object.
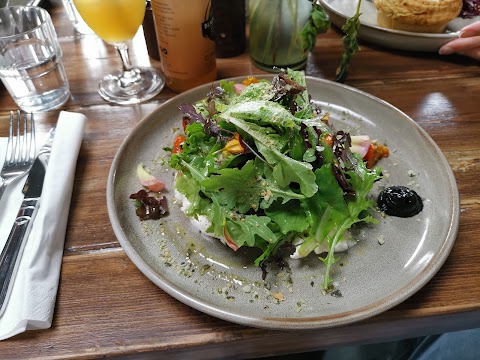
(262, 166)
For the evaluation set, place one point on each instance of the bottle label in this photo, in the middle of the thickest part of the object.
(207, 24)
(184, 30)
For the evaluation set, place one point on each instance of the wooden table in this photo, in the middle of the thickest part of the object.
(107, 307)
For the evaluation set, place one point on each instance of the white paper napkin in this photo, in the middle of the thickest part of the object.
(32, 301)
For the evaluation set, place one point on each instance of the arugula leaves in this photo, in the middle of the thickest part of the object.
(246, 189)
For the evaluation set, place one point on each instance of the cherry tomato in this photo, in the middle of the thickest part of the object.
(177, 144)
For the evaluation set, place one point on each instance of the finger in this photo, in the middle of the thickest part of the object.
(473, 53)
(473, 28)
(466, 33)
(460, 45)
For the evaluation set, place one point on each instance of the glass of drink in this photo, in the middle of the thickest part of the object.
(31, 59)
(116, 22)
(275, 27)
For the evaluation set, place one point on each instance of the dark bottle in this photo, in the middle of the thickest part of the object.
(149, 33)
(229, 25)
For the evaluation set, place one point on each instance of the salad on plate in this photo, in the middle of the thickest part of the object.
(260, 166)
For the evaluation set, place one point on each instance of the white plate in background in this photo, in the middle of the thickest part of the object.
(341, 10)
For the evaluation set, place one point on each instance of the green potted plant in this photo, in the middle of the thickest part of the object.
(283, 32)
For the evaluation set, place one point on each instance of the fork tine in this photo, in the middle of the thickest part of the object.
(29, 135)
(33, 149)
(26, 140)
(23, 145)
(21, 149)
(17, 146)
(9, 154)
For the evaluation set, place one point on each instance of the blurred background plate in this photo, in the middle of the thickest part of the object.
(340, 10)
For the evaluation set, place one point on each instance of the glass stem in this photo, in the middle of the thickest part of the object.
(123, 51)
(130, 76)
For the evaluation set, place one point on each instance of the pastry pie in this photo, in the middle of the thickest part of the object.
(426, 16)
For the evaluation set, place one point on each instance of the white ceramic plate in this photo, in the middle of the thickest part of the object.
(340, 10)
(206, 275)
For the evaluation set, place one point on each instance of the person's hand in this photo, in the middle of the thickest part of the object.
(467, 44)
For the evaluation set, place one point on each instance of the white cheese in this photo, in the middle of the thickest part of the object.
(202, 223)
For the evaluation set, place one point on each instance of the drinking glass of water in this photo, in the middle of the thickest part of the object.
(31, 59)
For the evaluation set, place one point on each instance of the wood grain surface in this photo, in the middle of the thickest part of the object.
(107, 308)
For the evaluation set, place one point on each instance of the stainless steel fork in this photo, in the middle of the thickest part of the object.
(20, 149)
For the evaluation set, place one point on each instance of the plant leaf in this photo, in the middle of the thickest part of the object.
(350, 43)
(318, 23)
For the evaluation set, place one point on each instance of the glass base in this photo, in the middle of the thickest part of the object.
(131, 87)
(277, 68)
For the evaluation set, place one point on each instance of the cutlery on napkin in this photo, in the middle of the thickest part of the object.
(12, 250)
(32, 300)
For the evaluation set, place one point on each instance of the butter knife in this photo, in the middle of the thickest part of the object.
(13, 248)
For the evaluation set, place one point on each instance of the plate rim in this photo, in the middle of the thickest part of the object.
(285, 323)
(449, 35)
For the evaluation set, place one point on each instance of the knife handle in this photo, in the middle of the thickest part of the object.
(14, 247)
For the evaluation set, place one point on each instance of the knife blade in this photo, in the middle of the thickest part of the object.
(13, 249)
